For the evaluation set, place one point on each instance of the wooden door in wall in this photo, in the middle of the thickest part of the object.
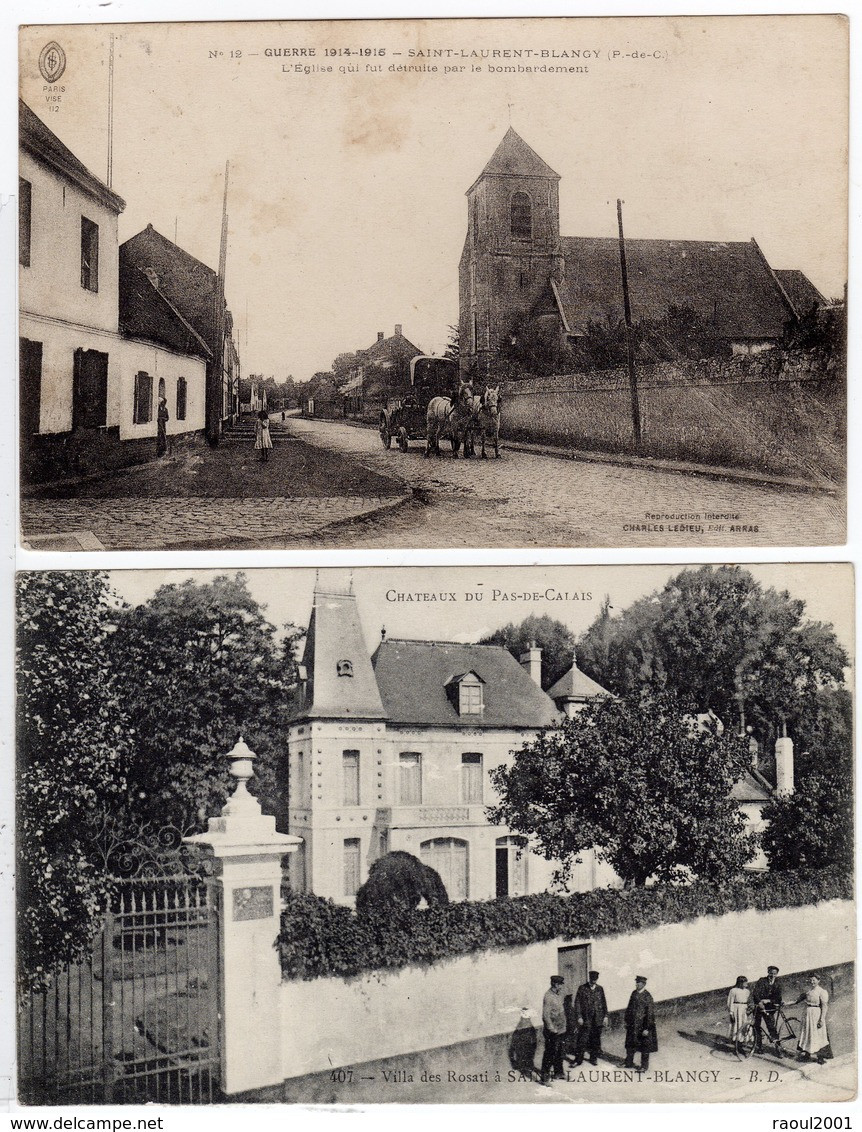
(90, 389)
(573, 963)
(29, 388)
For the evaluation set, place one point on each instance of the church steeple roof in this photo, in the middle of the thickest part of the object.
(340, 682)
(514, 158)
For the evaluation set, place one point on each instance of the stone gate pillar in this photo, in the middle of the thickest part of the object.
(248, 852)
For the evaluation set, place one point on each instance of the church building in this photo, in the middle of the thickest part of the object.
(517, 268)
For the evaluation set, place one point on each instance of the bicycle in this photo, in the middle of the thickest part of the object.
(746, 1041)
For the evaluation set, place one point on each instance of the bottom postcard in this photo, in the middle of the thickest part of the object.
(438, 835)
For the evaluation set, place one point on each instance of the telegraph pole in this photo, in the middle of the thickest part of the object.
(630, 349)
(215, 397)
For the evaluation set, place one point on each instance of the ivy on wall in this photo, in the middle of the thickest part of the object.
(319, 937)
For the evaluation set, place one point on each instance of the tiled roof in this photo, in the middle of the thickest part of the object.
(145, 312)
(43, 143)
(576, 685)
(412, 677)
(729, 284)
(187, 282)
(800, 290)
(752, 787)
(513, 157)
(334, 636)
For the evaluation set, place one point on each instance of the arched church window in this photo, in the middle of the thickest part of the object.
(522, 216)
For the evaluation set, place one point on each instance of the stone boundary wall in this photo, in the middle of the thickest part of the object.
(331, 1022)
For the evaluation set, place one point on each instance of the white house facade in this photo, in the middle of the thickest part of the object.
(81, 376)
(394, 751)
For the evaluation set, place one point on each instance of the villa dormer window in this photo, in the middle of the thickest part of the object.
(344, 668)
(466, 693)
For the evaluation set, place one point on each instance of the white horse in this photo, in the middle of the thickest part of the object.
(448, 418)
(489, 418)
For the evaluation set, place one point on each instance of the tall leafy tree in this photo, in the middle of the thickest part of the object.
(75, 743)
(555, 639)
(200, 665)
(716, 636)
(636, 779)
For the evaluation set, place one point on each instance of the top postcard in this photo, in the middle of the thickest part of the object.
(434, 283)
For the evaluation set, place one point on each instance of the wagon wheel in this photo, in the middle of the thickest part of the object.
(403, 439)
(385, 435)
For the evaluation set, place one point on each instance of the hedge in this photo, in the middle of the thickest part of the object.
(320, 938)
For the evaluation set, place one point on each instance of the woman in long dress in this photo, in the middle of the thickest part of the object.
(814, 1040)
(262, 439)
(737, 1004)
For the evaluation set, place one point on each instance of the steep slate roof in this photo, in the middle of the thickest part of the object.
(43, 144)
(752, 787)
(412, 678)
(187, 282)
(800, 290)
(335, 634)
(145, 312)
(729, 284)
(514, 158)
(396, 347)
(576, 685)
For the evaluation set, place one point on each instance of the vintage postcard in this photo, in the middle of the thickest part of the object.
(481, 834)
(434, 283)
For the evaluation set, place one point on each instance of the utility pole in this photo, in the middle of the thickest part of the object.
(630, 349)
(110, 176)
(215, 397)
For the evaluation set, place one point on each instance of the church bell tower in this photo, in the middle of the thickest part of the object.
(512, 250)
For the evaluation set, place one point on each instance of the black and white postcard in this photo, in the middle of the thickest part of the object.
(433, 283)
(496, 835)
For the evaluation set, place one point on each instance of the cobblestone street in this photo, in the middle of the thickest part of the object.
(333, 484)
(531, 500)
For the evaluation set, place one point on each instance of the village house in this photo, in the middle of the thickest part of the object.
(384, 364)
(193, 288)
(393, 751)
(516, 268)
(98, 346)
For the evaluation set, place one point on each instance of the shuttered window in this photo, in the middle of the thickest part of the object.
(350, 777)
(143, 398)
(471, 777)
(410, 770)
(352, 879)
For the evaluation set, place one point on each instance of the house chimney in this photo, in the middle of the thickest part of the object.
(397, 329)
(379, 335)
(532, 661)
(784, 762)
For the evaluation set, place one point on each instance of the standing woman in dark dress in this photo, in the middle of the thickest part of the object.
(162, 427)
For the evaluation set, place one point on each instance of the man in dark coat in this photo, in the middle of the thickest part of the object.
(553, 1029)
(591, 1015)
(641, 1034)
(767, 995)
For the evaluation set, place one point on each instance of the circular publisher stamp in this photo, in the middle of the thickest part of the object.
(52, 62)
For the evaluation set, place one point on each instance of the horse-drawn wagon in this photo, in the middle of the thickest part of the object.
(439, 404)
(404, 417)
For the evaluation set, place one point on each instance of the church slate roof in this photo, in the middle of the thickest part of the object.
(800, 290)
(514, 158)
(729, 284)
(412, 677)
(145, 312)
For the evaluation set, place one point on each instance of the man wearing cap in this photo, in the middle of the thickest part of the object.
(591, 1015)
(768, 995)
(554, 1029)
(641, 1034)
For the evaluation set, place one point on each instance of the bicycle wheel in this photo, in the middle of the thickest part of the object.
(744, 1043)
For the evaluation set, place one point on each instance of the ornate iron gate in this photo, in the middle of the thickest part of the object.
(138, 1019)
